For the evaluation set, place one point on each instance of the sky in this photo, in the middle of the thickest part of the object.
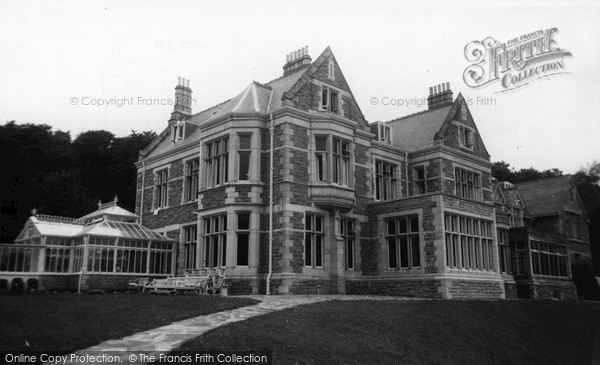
(113, 65)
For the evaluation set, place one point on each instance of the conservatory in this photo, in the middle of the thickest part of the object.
(103, 250)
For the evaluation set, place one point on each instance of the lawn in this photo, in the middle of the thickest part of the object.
(69, 322)
(432, 332)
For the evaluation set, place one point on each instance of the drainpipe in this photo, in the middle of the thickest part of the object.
(406, 172)
(143, 188)
(272, 133)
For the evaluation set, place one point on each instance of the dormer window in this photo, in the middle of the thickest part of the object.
(177, 131)
(330, 99)
(385, 133)
(465, 135)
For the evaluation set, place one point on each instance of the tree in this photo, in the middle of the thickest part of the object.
(60, 177)
(587, 181)
(34, 152)
(502, 171)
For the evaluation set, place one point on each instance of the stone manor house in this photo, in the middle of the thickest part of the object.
(286, 189)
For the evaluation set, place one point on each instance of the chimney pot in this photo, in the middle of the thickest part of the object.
(447, 85)
(179, 80)
(430, 91)
(296, 59)
(443, 87)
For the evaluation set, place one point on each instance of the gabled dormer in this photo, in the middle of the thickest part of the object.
(382, 132)
(322, 88)
(459, 130)
(181, 129)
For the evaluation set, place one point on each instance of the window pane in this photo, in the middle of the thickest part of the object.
(244, 221)
(244, 166)
(245, 143)
(416, 253)
(242, 249)
(391, 227)
(403, 252)
(392, 253)
(402, 225)
(319, 251)
(321, 144)
(414, 224)
(308, 250)
(350, 254)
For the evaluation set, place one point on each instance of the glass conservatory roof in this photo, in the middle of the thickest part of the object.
(64, 227)
(123, 229)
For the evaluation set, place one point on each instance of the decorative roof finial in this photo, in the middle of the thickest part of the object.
(34, 212)
(116, 200)
(99, 203)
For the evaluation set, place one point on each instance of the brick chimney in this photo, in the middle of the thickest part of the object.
(183, 99)
(439, 96)
(296, 60)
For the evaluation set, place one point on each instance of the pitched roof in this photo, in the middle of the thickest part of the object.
(546, 196)
(110, 209)
(417, 131)
(253, 99)
(122, 229)
(106, 221)
(55, 227)
(104, 227)
(512, 196)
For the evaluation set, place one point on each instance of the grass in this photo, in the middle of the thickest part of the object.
(69, 322)
(432, 332)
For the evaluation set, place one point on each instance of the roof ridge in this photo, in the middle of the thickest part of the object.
(417, 113)
(264, 86)
(58, 219)
(214, 106)
(291, 73)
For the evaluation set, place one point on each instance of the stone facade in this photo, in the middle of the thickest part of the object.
(353, 211)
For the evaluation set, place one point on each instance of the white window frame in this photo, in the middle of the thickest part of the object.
(177, 131)
(327, 95)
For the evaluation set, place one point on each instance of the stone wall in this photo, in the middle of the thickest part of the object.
(397, 287)
(469, 289)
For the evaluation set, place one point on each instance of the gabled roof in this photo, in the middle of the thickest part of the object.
(106, 221)
(111, 209)
(122, 229)
(417, 131)
(513, 197)
(421, 130)
(547, 196)
(54, 227)
(498, 194)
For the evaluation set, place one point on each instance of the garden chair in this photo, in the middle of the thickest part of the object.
(139, 283)
(219, 286)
